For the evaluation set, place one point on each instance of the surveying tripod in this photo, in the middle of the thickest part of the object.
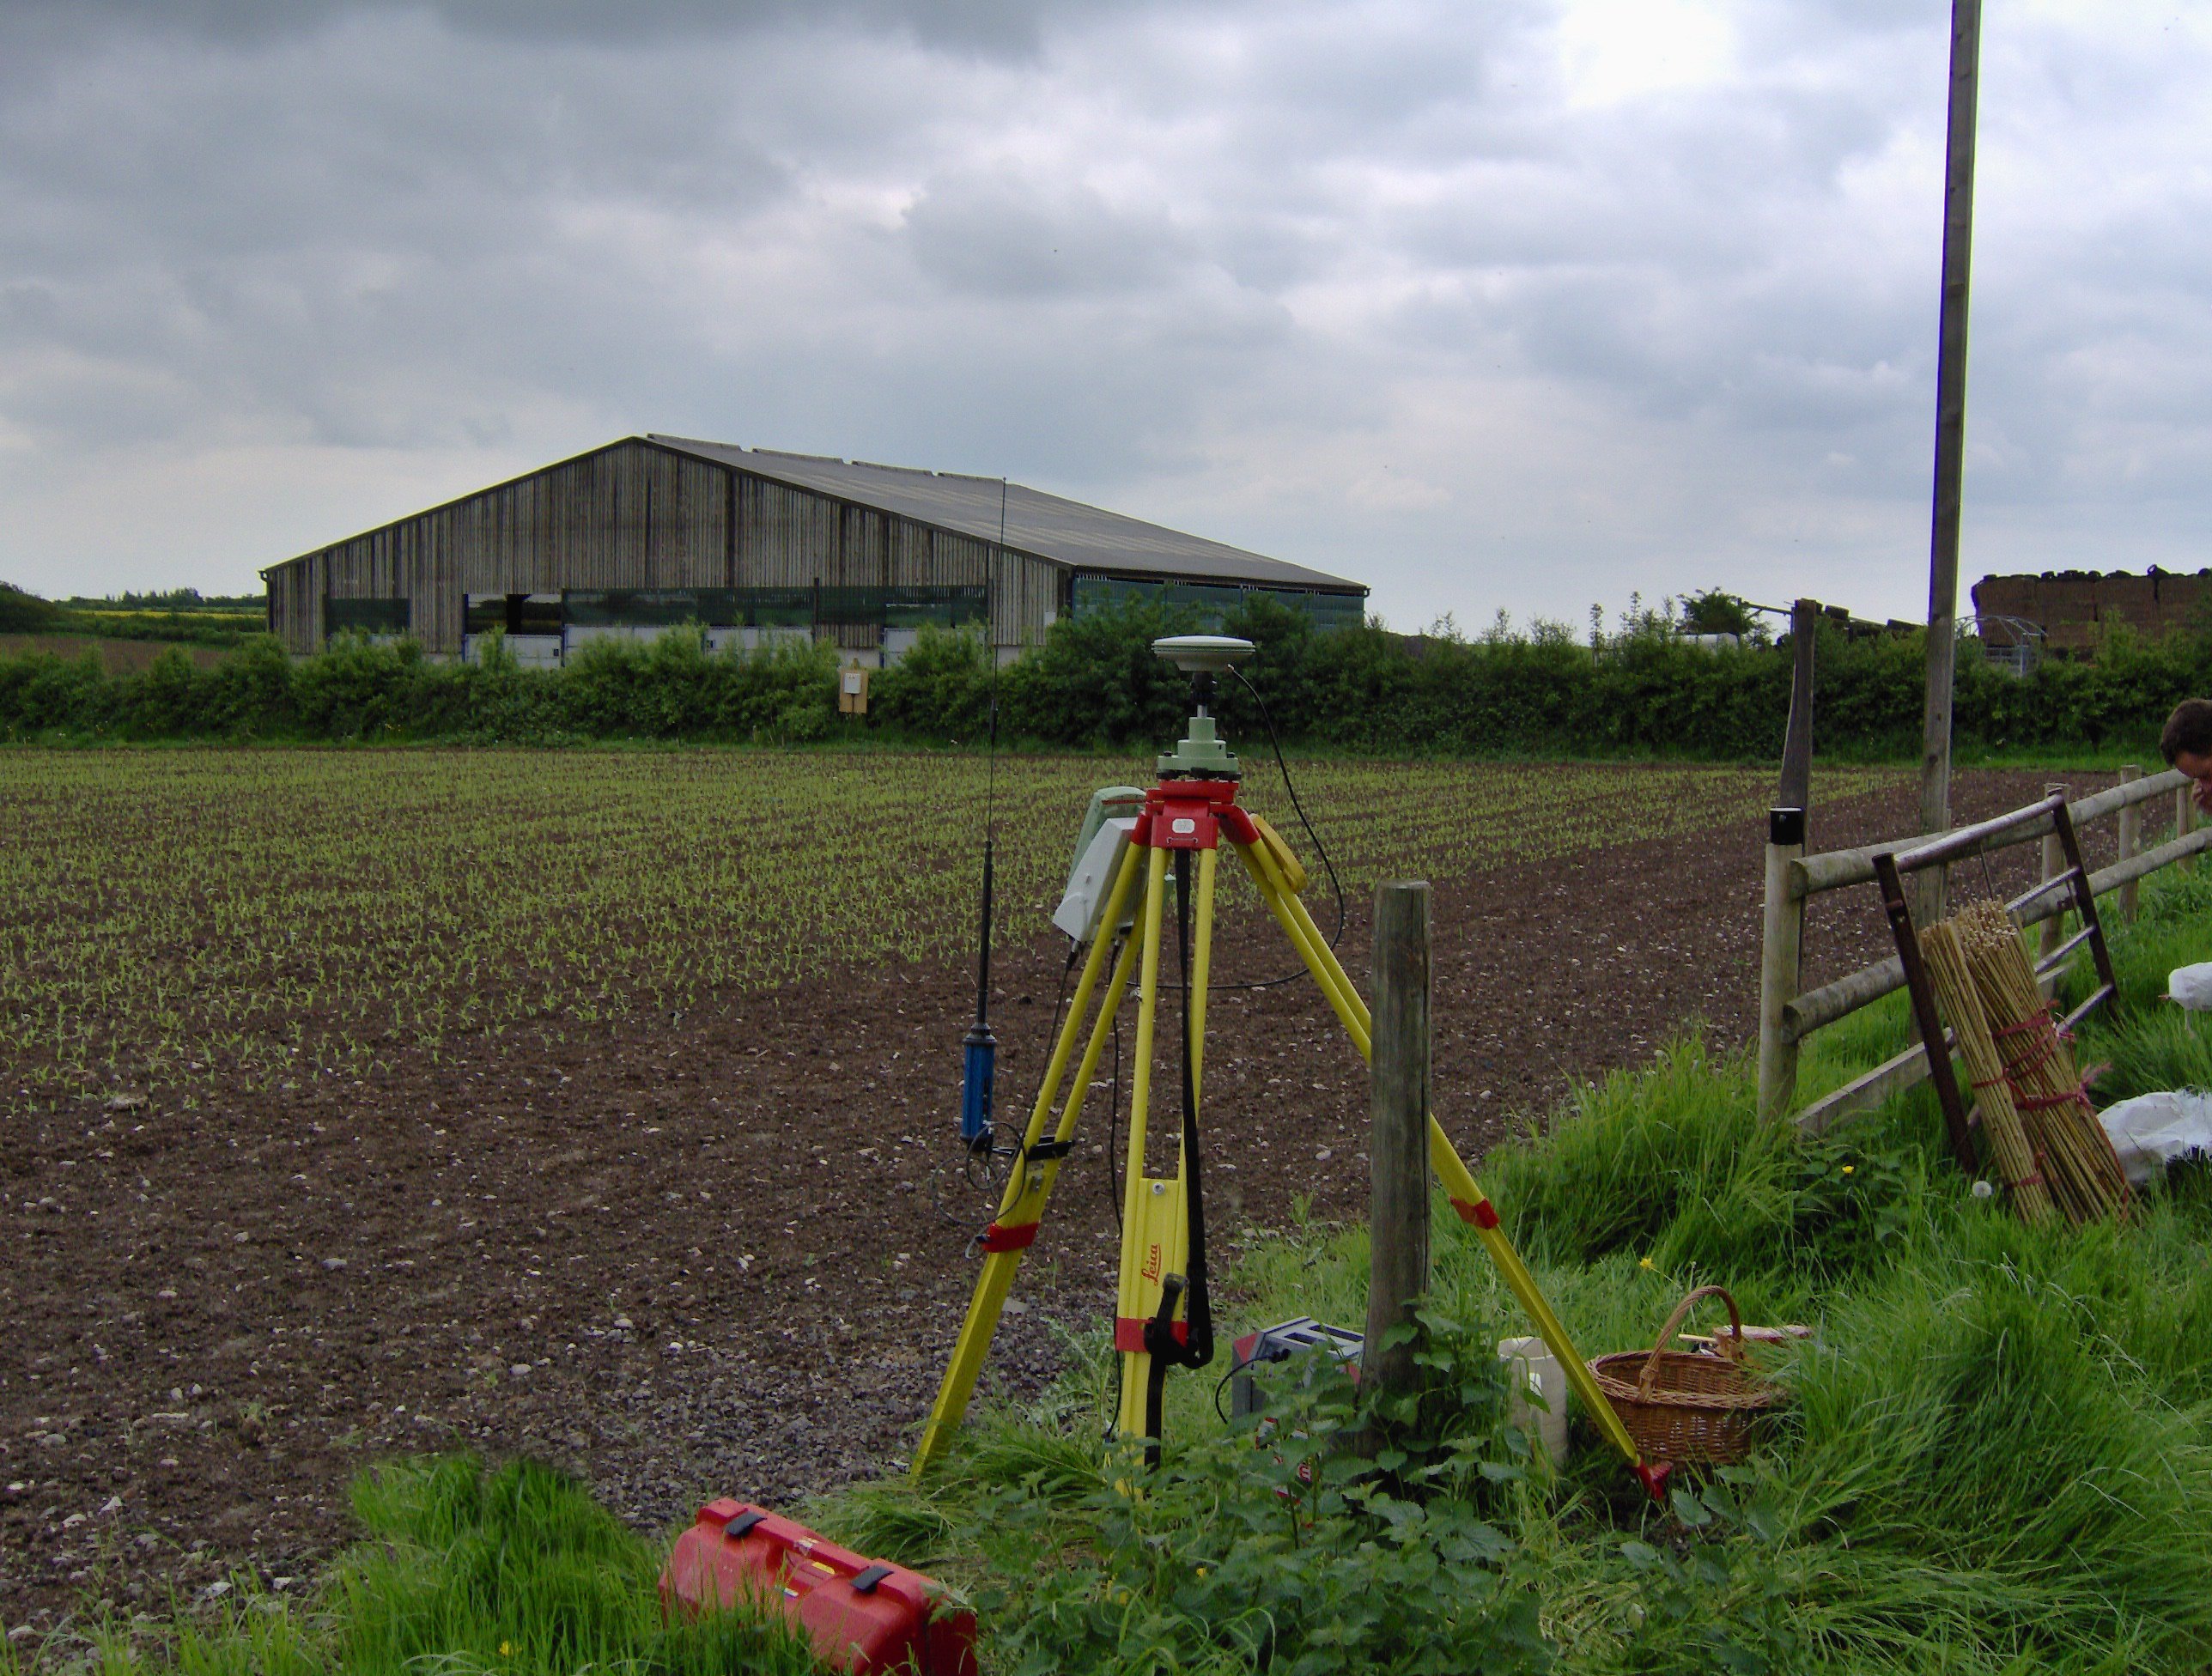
(1163, 1315)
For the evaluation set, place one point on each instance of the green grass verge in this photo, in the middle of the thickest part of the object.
(463, 1572)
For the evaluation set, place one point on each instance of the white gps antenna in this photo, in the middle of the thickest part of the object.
(1202, 654)
(1201, 755)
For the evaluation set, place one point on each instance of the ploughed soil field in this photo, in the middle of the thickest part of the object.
(298, 1176)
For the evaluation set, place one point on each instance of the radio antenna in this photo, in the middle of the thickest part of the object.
(978, 1048)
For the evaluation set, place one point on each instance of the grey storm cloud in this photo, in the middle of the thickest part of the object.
(1001, 25)
(1522, 305)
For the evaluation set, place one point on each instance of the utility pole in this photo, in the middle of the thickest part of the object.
(1950, 436)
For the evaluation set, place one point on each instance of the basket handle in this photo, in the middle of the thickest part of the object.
(1682, 1314)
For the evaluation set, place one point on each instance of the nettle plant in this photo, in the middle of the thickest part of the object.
(1277, 1545)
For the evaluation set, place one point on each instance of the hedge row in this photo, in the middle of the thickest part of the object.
(1095, 682)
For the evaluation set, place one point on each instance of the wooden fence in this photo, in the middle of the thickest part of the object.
(1787, 1016)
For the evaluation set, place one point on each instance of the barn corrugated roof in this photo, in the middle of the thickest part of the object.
(1047, 526)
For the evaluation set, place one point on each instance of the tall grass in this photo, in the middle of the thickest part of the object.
(1998, 1450)
(463, 1572)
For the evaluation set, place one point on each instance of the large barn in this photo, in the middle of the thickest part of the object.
(650, 531)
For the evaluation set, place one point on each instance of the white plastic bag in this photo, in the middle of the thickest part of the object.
(2154, 1130)
(2191, 987)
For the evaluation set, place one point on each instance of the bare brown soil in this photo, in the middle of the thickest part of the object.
(711, 1257)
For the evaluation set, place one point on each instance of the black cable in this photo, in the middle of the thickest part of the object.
(967, 1225)
(1197, 1350)
(1284, 768)
(1221, 1385)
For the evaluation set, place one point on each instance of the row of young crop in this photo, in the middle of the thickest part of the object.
(191, 916)
(1093, 682)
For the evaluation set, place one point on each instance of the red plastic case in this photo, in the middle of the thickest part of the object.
(862, 1616)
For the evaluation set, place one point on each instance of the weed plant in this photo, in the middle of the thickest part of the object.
(1269, 1545)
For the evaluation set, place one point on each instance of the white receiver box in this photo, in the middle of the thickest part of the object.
(1092, 881)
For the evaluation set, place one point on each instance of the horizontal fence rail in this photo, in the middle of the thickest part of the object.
(1812, 875)
(1788, 1017)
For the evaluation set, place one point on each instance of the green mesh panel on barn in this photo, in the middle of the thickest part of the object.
(716, 608)
(511, 613)
(768, 608)
(1211, 602)
(911, 607)
(906, 607)
(753, 608)
(637, 608)
(368, 616)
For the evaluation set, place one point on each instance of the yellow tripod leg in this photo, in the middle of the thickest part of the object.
(1155, 1225)
(1152, 1211)
(1021, 1207)
(1467, 1198)
(1201, 964)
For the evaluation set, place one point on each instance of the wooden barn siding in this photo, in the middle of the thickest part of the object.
(631, 516)
(295, 603)
(1025, 598)
(863, 560)
(636, 516)
(786, 538)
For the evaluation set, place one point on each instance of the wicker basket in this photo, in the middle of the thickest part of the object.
(1681, 1406)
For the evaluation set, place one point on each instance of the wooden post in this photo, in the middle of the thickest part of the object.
(2054, 863)
(1795, 790)
(1950, 439)
(2185, 822)
(2085, 904)
(1781, 945)
(1924, 1016)
(2131, 841)
(1398, 1159)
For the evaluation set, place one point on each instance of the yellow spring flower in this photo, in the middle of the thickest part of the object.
(1646, 1263)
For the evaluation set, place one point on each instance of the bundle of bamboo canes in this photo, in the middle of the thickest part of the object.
(2040, 1074)
(2027, 1079)
(1944, 951)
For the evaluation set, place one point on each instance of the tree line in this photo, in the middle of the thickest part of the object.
(1094, 681)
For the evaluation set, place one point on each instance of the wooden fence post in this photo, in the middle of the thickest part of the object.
(2054, 863)
(2131, 841)
(1796, 787)
(2185, 821)
(1781, 944)
(1398, 1159)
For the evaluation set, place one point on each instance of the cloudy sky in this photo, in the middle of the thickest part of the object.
(1522, 305)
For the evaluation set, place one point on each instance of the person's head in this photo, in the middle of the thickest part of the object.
(2186, 740)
